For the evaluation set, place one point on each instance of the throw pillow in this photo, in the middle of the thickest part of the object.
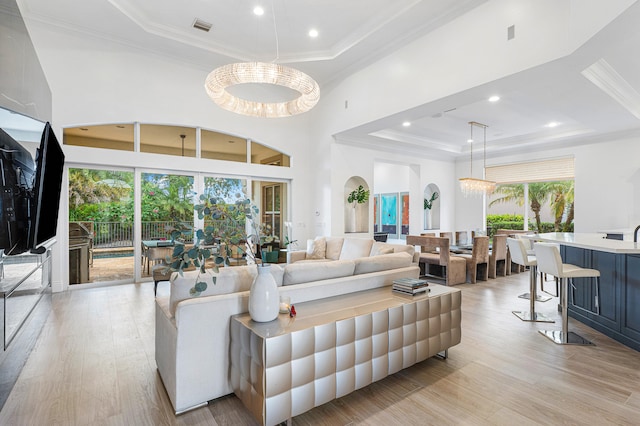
(353, 248)
(381, 248)
(334, 247)
(317, 248)
(299, 272)
(366, 265)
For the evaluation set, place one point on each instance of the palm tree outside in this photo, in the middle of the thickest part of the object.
(559, 194)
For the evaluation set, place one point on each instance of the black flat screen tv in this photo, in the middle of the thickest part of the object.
(46, 190)
(16, 194)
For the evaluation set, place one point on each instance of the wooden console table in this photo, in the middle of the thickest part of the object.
(336, 345)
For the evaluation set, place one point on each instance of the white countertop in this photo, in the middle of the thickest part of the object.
(595, 241)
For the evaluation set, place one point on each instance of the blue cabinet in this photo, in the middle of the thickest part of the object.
(607, 264)
(581, 292)
(619, 291)
(631, 298)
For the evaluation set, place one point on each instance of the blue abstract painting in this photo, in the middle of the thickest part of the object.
(389, 214)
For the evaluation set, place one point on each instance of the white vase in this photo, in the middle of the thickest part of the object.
(264, 299)
(351, 223)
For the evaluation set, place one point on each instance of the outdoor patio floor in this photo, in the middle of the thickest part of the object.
(111, 268)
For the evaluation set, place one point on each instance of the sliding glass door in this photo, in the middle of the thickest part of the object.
(101, 231)
(166, 204)
(109, 241)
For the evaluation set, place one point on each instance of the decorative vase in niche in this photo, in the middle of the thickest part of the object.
(264, 299)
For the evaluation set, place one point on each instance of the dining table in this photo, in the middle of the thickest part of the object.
(159, 243)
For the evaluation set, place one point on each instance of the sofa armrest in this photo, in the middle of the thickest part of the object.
(296, 255)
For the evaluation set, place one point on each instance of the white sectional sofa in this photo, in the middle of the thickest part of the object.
(193, 333)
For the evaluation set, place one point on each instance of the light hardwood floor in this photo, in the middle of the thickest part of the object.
(94, 364)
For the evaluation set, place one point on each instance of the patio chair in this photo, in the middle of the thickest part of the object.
(157, 255)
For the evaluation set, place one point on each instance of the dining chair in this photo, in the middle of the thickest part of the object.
(434, 252)
(144, 257)
(427, 249)
(478, 260)
(462, 237)
(448, 235)
(160, 272)
(550, 262)
(498, 256)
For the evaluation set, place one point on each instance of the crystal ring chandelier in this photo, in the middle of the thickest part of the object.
(225, 76)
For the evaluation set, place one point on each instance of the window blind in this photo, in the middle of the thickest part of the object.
(534, 171)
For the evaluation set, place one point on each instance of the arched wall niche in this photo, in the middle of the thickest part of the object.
(356, 215)
(432, 215)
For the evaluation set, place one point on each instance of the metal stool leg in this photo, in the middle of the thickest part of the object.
(537, 297)
(532, 315)
(564, 337)
(596, 301)
(543, 280)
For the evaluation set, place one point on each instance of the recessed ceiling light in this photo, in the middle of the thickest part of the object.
(470, 140)
(313, 33)
(258, 10)
(406, 124)
(552, 124)
(494, 98)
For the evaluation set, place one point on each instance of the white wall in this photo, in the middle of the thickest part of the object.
(607, 190)
(390, 177)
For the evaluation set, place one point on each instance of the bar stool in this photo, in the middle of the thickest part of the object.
(550, 262)
(519, 255)
(528, 247)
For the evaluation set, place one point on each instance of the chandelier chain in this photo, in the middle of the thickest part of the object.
(484, 153)
(275, 30)
(471, 185)
(471, 149)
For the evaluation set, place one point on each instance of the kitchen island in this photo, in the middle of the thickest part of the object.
(619, 266)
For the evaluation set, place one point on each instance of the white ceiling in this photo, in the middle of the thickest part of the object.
(354, 33)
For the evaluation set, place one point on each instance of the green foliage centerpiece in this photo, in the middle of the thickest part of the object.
(225, 228)
(359, 196)
(428, 203)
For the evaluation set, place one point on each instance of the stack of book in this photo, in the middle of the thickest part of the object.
(411, 286)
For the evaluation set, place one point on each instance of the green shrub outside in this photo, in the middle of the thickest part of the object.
(504, 218)
(504, 221)
(514, 221)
